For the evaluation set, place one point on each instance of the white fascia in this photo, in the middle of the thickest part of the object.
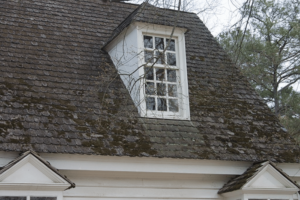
(178, 35)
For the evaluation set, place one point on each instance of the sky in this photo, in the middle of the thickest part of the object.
(218, 15)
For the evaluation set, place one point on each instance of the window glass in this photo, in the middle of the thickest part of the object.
(161, 85)
(171, 75)
(42, 198)
(161, 104)
(150, 88)
(159, 43)
(161, 89)
(171, 46)
(173, 105)
(148, 41)
(149, 73)
(160, 58)
(12, 198)
(160, 74)
(150, 103)
(148, 56)
(171, 59)
(172, 90)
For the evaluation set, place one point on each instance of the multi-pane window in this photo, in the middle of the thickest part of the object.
(161, 74)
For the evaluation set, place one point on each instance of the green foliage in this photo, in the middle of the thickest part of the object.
(268, 53)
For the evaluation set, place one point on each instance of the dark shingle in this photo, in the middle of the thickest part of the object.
(60, 93)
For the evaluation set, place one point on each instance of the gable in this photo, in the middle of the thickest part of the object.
(269, 178)
(261, 176)
(60, 93)
(29, 171)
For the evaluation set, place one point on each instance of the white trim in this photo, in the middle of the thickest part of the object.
(275, 174)
(59, 184)
(143, 164)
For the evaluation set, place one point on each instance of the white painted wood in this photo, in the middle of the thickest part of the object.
(141, 193)
(148, 165)
(270, 178)
(27, 174)
(30, 173)
(141, 180)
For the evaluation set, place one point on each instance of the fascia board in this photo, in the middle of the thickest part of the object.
(148, 165)
(32, 186)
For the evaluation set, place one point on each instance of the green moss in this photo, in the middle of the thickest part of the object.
(233, 151)
(193, 57)
(60, 133)
(83, 128)
(201, 58)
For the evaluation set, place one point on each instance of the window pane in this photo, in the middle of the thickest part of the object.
(171, 75)
(159, 43)
(161, 104)
(171, 59)
(171, 46)
(161, 89)
(12, 198)
(160, 59)
(160, 74)
(173, 105)
(148, 41)
(150, 103)
(149, 73)
(148, 56)
(42, 198)
(172, 90)
(150, 88)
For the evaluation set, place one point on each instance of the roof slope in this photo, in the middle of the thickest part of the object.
(61, 94)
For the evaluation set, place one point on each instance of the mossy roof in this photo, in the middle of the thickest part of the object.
(60, 93)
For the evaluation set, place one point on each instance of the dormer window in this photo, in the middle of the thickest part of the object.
(152, 64)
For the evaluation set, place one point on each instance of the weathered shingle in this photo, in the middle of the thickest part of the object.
(60, 93)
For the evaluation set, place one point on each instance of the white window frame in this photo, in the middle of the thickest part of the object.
(182, 85)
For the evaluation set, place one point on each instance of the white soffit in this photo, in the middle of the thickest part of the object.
(30, 172)
(269, 178)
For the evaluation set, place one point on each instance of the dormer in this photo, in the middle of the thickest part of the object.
(263, 181)
(151, 61)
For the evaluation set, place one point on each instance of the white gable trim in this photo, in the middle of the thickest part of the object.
(274, 173)
(54, 182)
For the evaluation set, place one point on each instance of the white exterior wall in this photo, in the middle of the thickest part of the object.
(124, 54)
(127, 178)
(123, 186)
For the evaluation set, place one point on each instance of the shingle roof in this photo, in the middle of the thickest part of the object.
(60, 93)
(238, 182)
(46, 163)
